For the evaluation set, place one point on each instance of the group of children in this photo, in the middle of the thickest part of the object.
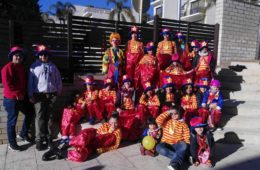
(138, 87)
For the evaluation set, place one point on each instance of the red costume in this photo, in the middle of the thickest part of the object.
(165, 50)
(176, 72)
(203, 64)
(148, 69)
(92, 101)
(148, 104)
(134, 52)
(188, 103)
(102, 140)
(107, 98)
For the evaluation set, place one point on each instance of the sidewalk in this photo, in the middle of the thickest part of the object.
(127, 157)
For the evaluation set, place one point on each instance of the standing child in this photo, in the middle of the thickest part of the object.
(214, 101)
(153, 131)
(91, 99)
(201, 143)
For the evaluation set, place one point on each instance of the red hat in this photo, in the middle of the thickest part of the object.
(126, 78)
(134, 29)
(41, 49)
(195, 44)
(203, 44)
(196, 122)
(150, 46)
(179, 35)
(89, 80)
(186, 82)
(215, 83)
(167, 82)
(13, 50)
(166, 31)
(203, 82)
(108, 81)
(175, 57)
(148, 86)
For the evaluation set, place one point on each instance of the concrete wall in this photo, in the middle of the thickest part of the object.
(170, 10)
(239, 30)
(210, 16)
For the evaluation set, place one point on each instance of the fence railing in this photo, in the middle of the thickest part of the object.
(78, 45)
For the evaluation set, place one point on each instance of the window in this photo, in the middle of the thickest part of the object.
(197, 6)
(159, 11)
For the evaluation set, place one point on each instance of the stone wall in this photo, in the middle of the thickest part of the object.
(239, 30)
(68, 91)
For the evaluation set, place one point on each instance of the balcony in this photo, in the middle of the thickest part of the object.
(195, 14)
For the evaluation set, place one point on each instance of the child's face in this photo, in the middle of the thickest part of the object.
(89, 87)
(202, 89)
(166, 36)
(127, 84)
(152, 126)
(189, 89)
(150, 52)
(214, 89)
(175, 115)
(168, 89)
(195, 49)
(134, 36)
(199, 130)
(113, 123)
(115, 42)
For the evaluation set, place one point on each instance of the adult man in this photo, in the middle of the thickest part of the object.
(44, 86)
(14, 83)
(175, 138)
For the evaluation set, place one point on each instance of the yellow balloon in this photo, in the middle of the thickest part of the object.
(148, 142)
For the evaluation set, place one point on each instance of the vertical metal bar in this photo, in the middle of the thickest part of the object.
(69, 48)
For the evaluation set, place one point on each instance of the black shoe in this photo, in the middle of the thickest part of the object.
(173, 166)
(49, 142)
(15, 148)
(40, 146)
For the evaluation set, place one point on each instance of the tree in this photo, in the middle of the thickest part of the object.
(120, 11)
(20, 9)
(61, 10)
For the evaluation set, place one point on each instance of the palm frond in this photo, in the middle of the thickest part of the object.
(123, 18)
(128, 13)
(112, 14)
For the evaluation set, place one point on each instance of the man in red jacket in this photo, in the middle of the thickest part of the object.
(14, 83)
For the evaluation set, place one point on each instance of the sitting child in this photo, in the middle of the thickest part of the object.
(201, 143)
(153, 131)
(70, 119)
(105, 138)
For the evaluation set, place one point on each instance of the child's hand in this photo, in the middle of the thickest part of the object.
(196, 163)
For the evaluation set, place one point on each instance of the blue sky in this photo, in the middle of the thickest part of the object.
(97, 3)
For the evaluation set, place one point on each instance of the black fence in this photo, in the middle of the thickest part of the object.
(78, 45)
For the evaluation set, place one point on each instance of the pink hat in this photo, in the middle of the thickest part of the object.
(196, 122)
(186, 82)
(195, 44)
(89, 80)
(14, 50)
(167, 82)
(215, 83)
(175, 57)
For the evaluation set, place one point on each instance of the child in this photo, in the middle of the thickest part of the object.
(147, 70)
(92, 102)
(113, 60)
(188, 100)
(70, 118)
(214, 101)
(107, 97)
(105, 138)
(195, 48)
(204, 63)
(134, 52)
(201, 143)
(149, 103)
(165, 49)
(153, 131)
(202, 86)
(167, 95)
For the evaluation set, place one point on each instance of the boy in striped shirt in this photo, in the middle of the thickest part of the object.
(175, 138)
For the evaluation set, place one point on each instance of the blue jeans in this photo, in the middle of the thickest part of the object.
(175, 152)
(12, 108)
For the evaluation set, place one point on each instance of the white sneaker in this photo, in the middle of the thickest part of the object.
(219, 128)
(14, 148)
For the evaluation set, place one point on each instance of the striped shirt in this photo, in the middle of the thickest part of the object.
(174, 131)
(107, 96)
(91, 96)
(190, 102)
(150, 101)
(105, 129)
(166, 47)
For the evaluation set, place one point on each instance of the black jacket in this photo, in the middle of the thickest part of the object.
(194, 144)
